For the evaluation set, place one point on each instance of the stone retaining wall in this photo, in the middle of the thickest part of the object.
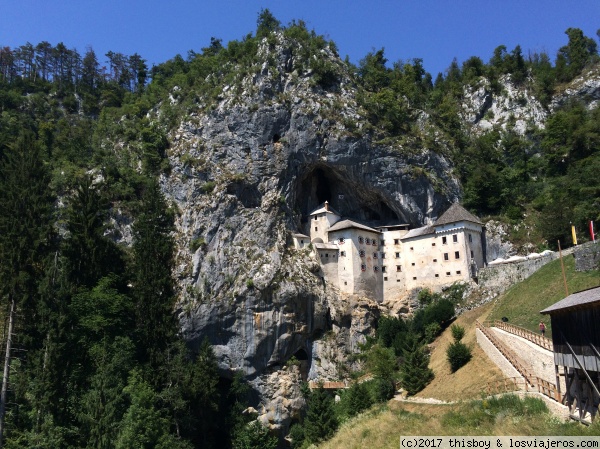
(587, 256)
(503, 276)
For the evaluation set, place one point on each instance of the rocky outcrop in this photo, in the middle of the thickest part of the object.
(243, 177)
(585, 87)
(511, 106)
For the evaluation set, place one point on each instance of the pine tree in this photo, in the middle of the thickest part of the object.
(26, 238)
(153, 291)
(89, 255)
(415, 373)
(321, 421)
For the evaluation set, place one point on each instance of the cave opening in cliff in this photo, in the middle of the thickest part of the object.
(350, 198)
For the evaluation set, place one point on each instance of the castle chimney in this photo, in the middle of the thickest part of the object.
(326, 206)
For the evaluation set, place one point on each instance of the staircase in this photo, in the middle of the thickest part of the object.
(531, 381)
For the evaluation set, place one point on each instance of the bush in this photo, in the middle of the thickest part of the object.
(432, 330)
(208, 187)
(458, 355)
(458, 332)
(197, 243)
(356, 399)
(254, 435)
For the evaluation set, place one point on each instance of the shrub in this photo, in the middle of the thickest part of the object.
(208, 187)
(250, 283)
(458, 332)
(197, 243)
(432, 330)
(458, 355)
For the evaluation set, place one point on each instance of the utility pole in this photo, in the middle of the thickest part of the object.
(4, 390)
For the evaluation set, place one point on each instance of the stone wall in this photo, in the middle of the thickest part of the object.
(587, 257)
(501, 277)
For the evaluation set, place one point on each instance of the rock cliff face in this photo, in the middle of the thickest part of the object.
(243, 176)
(513, 108)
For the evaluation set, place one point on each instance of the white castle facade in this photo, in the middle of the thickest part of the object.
(386, 262)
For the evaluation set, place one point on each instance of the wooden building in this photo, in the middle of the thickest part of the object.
(575, 323)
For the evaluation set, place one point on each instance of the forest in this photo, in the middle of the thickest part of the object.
(97, 359)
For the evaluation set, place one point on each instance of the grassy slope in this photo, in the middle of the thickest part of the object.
(523, 302)
(381, 427)
(469, 381)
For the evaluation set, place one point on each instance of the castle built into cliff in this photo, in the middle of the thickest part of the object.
(386, 262)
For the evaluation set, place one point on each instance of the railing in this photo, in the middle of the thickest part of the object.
(327, 385)
(531, 382)
(538, 339)
(505, 385)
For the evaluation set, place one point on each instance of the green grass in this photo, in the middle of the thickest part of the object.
(522, 303)
(380, 427)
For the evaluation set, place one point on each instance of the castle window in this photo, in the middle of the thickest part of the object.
(454, 238)
(316, 229)
(433, 244)
(447, 273)
(361, 240)
(374, 255)
(413, 264)
(363, 267)
(361, 253)
(302, 242)
(326, 255)
(411, 248)
(444, 240)
(458, 272)
(376, 269)
(414, 278)
(342, 253)
(374, 242)
(397, 255)
(316, 217)
(472, 254)
(382, 242)
(383, 255)
(396, 241)
(470, 238)
(368, 241)
(341, 240)
(456, 254)
(383, 269)
(398, 268)
(446, 257)
(385, 278)
(435, 260)
(437, 275)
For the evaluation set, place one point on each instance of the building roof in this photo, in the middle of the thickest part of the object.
(324, 208)
(345, 224)
(300, 236)
(417, 232)
(583, 298)
(326, 246)
(456, 213)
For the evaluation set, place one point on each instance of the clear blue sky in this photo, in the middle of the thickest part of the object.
(436, 31)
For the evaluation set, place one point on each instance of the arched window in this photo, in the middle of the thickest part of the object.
(363, 267)
(374, 255)
(361, 253)
(361, 240)
(368, 241)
